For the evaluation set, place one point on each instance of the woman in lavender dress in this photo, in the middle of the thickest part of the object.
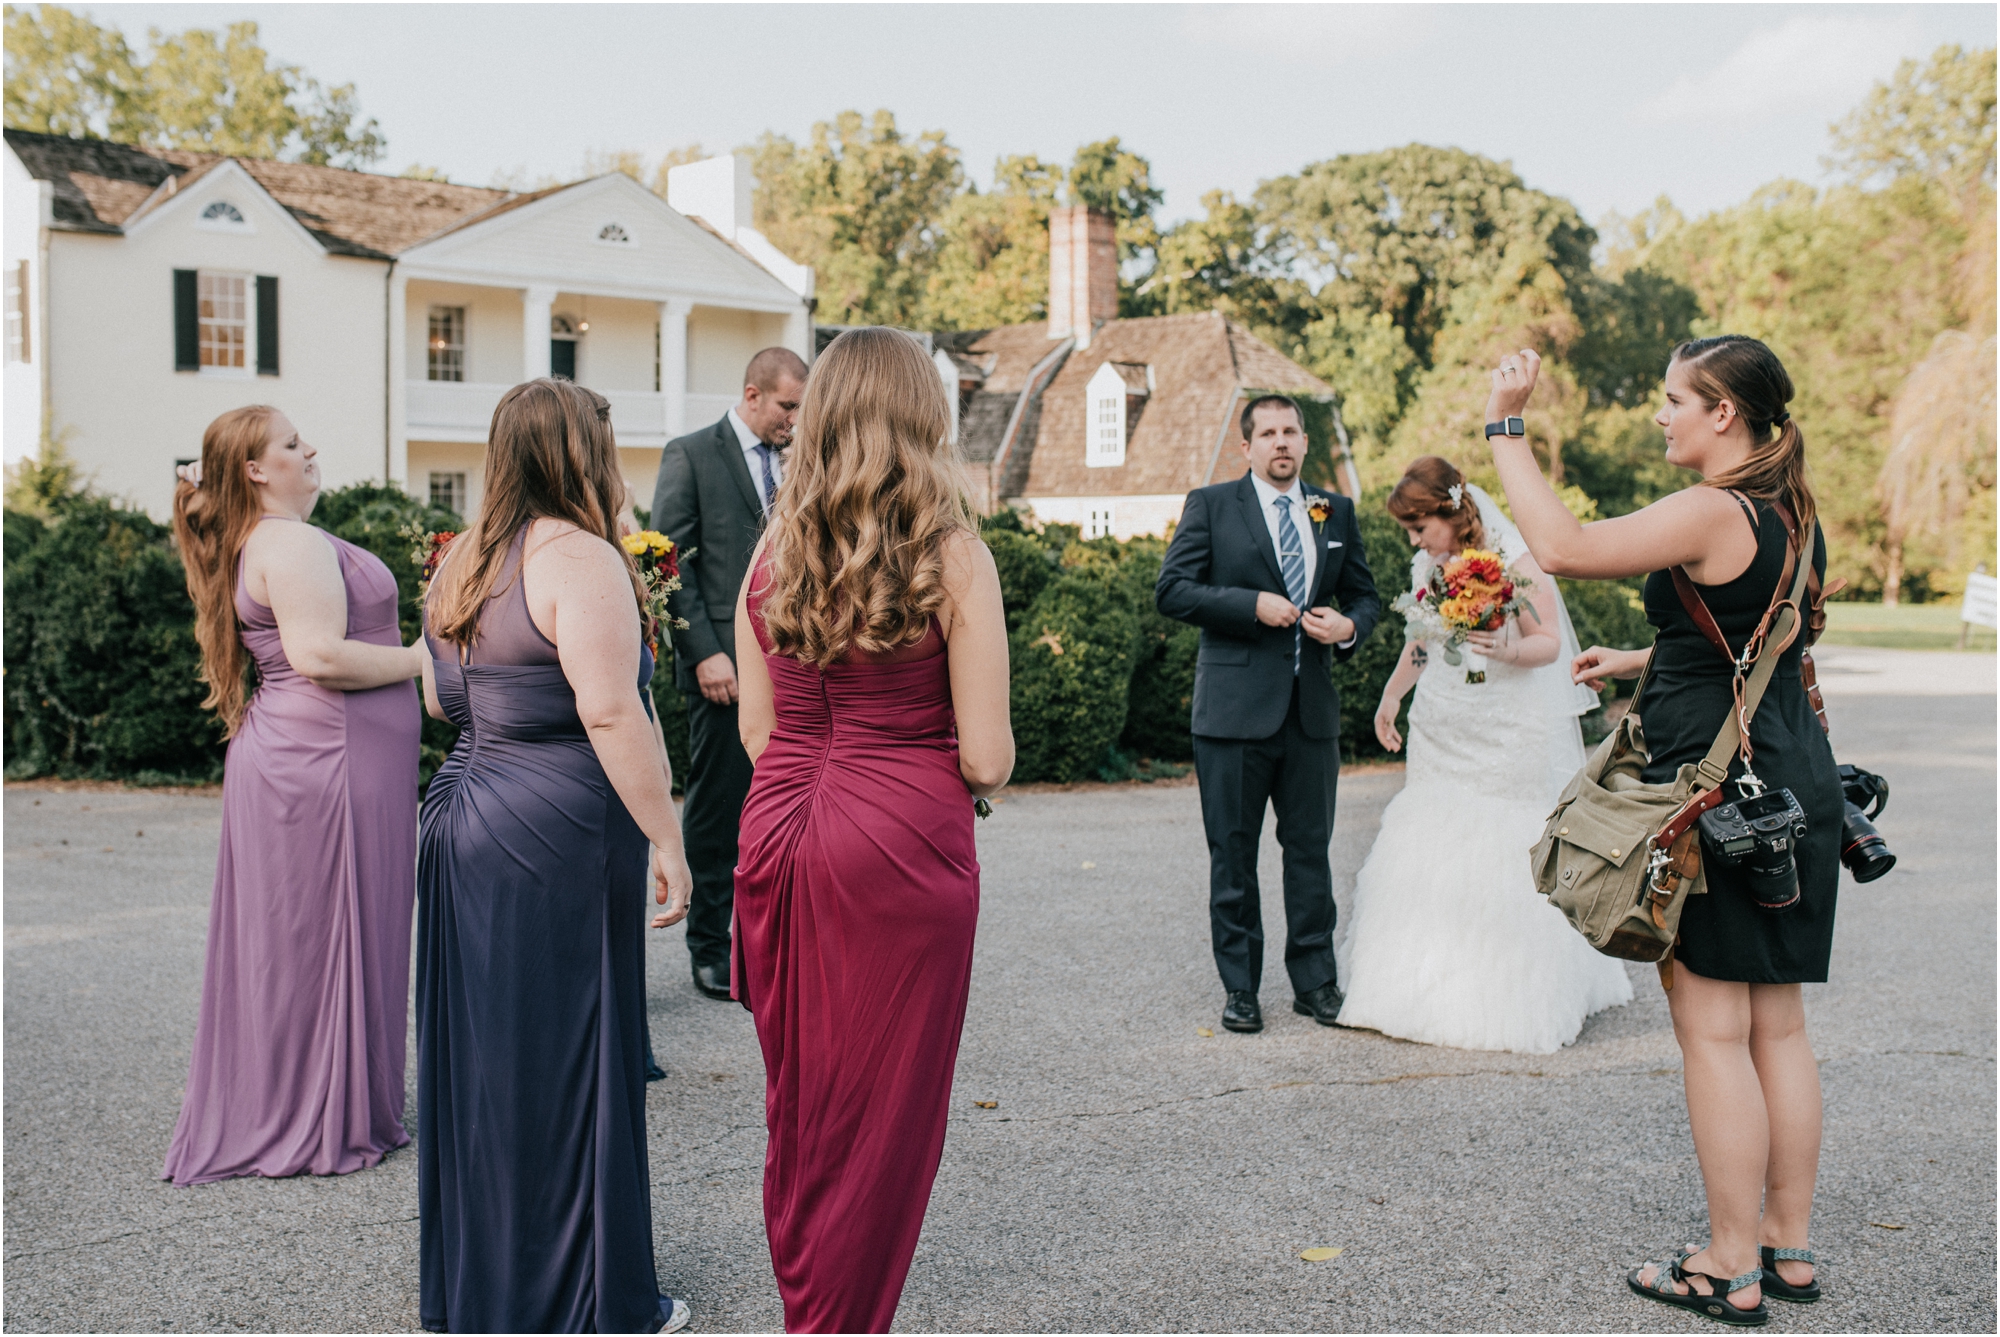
(298, 1056)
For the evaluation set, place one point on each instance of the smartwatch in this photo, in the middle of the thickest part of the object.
(1507, 427)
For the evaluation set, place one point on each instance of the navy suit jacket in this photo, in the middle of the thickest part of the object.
(1221, 558)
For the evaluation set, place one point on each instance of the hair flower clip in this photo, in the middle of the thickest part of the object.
(1457, 494)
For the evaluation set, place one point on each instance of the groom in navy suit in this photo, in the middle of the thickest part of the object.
(1260, 565)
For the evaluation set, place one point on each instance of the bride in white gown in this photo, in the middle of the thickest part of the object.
(1444, 939)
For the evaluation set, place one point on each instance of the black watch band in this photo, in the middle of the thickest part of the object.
(1507, 427)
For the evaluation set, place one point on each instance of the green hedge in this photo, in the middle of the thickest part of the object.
(101, 664)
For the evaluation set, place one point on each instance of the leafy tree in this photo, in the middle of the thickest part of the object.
(860, 201)
(1106, 175)
(1931, 120)
(67, 76)
(1212, 263)
(200, 90)
(992, 265)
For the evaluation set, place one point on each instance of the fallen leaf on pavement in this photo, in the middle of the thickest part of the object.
(1088, 864)
(1318, 1255)
(987, 1104)
(1204, 1032)
(1888, 1225)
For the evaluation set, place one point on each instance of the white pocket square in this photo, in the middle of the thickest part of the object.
(1333, 543)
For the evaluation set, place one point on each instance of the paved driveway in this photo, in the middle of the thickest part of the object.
(1135, 1174)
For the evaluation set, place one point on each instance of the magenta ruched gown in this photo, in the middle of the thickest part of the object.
(298, 1056)
(857, 890)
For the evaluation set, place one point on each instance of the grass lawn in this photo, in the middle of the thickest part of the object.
(1906, 627)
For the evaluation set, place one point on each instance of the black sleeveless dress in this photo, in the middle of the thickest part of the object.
(1724, 936)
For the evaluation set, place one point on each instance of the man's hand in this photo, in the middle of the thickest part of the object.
(716, 677)
(1275, 610)
(1327, 627)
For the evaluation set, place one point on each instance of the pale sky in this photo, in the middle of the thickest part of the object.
(1609, 105)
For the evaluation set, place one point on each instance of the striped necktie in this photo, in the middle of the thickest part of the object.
(1292, 563)
(764, 454)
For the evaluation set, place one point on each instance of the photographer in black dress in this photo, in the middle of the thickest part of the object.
(1752, 1083)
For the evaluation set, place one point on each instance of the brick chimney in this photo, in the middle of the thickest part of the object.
(1083, 272)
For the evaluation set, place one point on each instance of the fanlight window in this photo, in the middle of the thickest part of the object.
(614, 235)
(222, 211)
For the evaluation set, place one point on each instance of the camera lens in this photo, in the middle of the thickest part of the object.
(1862, 848)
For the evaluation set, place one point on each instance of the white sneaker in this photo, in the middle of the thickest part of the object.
(675, 1313)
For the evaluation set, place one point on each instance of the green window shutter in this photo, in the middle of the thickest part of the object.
(187, 323)
(267, 325)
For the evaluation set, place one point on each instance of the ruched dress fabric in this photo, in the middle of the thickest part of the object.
(857, 892)
(298, 1056)
(1687, 695)
(535, 1209)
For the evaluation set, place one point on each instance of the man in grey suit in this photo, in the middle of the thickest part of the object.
(1257, 565)
(716, 487)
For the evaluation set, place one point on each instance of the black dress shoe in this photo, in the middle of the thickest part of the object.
(1241, 1012)
(1321, 1004)
(713, 980)
(654, 1072)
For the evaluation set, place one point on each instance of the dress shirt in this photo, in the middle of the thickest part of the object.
(1296, 498)
(749, 441)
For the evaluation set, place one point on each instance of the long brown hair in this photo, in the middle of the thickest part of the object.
(1747, 373)
(872, 493)
(211, 524)
(549, 455)
(1425, 490)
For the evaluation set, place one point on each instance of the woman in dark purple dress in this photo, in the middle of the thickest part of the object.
(298, 1057)
(536, 1215)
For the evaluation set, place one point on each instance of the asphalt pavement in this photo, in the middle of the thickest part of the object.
(1134, 1173)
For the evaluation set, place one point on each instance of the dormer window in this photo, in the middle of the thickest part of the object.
(1116, 395)
(222, 216)
(612, 234)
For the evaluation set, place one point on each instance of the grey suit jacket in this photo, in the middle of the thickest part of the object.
(706, 503)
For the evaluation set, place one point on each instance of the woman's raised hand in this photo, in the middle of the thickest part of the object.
(673, 886)
(1513, 382)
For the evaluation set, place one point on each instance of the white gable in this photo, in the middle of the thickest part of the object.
(608, 235)
(223, 199)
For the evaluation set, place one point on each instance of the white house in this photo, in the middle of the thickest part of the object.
(385, 316)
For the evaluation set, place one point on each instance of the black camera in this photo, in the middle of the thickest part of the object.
(1760, 835)
(1862, 848)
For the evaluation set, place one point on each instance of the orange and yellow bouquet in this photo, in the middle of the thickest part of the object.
(1473, 591)
(659, 561)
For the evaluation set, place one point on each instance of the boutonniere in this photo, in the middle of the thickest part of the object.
(1318, 510)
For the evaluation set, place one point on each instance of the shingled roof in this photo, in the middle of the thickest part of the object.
(99, 186)
(1202, 364)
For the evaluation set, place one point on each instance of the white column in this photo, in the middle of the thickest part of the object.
(799, 332)
(396, 394)
(674, 362)
(535, 307)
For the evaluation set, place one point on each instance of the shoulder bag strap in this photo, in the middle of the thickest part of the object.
(1712, 770)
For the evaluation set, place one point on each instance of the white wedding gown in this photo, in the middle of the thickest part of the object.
(1445, 940)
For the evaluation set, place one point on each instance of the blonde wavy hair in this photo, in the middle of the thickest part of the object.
(550, 453)
(873, 492)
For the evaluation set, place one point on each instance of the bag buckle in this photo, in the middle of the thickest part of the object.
(1657, 862)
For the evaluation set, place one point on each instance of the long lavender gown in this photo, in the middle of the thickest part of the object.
(535, 1215)
(298, 1056)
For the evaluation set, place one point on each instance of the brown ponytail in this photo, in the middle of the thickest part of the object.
(1425, 490)
(1747, 373)
(211, 524)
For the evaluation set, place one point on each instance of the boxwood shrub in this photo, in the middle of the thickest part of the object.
(1072, 675)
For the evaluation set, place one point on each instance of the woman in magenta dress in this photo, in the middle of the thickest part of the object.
(876, 713)
(298, 1056)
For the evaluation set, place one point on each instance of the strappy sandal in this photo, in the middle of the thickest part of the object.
(1713, 1305)
(1777, 1287)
